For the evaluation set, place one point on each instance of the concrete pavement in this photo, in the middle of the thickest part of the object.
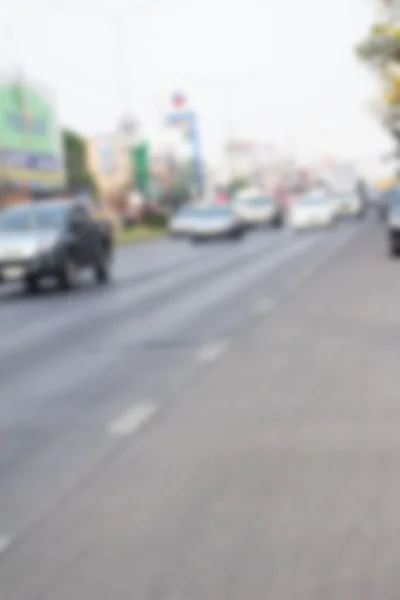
(261, 395)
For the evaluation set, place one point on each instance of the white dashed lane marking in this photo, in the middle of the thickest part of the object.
(4, 543)
(212, 351)
(132, 420)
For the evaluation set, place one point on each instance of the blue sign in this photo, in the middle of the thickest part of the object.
(24, 124)
(24, 159)
(179, 118)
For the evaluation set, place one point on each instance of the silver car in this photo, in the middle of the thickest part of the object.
(210, 222)
(181, 222)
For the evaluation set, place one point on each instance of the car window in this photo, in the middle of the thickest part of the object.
(313, 200)
(25, 218)
(217, 212)
(185, 212)
(257, 201)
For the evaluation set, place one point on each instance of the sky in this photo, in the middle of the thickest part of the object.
(276, 71)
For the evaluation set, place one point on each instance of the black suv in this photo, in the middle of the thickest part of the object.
(53, 238)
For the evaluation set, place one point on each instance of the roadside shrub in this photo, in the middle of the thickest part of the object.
(152, 217)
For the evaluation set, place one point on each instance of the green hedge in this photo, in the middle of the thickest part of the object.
(154, 219)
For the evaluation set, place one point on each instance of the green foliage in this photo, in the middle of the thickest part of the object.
(380, 50)
(78, 175)
(155, 219)
(175, 197)
(139, 233)
(238, 183)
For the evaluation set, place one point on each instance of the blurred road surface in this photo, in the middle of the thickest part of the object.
(221, 423)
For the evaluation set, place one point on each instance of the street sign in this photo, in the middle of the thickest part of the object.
(140, 164)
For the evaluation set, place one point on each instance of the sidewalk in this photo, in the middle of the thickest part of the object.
(276, 477)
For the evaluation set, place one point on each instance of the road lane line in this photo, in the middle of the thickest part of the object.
(198, 300)
(4, 543)
(131, 297)
(132, 420)
(211, 352)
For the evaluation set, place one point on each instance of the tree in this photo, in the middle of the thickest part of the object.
(238, 183)
(380, 50)
(79, 177)
(175, 196)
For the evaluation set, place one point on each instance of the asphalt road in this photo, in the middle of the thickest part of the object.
(219, 423)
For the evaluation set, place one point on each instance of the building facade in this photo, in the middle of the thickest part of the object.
(109, 161)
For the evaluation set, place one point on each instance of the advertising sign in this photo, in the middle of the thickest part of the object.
(182, 121)
(140, 162)
(186, 123)
(31, 152)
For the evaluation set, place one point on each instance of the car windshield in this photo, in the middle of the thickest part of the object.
(28, 218)
(188, 211)
(344, 197)
(257, 201)
(313, 200)
(214, 212)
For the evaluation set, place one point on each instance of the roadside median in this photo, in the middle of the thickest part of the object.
(139, 233)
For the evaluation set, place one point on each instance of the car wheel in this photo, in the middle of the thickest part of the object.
(233, 236)
(67, 279)
(32, 285)
(102, 270)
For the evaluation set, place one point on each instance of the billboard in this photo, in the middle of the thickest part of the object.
(186, 123)
(140, 165)
(31, 152)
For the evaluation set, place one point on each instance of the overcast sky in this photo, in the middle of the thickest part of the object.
(282, 71)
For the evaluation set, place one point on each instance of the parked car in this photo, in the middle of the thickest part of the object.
(215, 222)
(256, 208)
(53, 239)
(393, 224)
(315, 209)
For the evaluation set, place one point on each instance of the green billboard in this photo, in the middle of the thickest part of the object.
(140, 164)
(31, 152)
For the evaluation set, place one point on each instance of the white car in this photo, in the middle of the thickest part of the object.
(348, 204)
(257, 209)
(312, 210)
